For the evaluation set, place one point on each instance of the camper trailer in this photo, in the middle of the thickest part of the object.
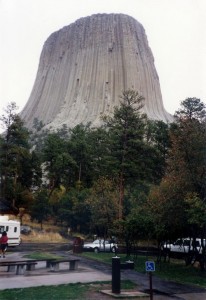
(12, 228)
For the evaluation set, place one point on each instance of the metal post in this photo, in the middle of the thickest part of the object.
(116, 275)
(150, 285)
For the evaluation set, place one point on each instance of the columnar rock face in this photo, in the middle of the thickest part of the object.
(84, 68)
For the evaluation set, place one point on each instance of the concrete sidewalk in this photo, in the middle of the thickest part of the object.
(14, 281)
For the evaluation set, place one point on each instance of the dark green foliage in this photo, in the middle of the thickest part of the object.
(126, 133)
(101, 161)
(40, 208)
(136, 147)
(59, 164)
(126, 137)
(175, 203)
(157, 136)
(73, 210)
(103, 204)
(188, 139)
(192, 108)
(79, 149)
(18, 162)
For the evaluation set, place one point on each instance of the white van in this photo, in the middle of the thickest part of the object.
(185, 245)
(12, 228)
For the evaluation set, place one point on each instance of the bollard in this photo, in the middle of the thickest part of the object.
(116, 275)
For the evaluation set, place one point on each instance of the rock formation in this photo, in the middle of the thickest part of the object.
(84, 67)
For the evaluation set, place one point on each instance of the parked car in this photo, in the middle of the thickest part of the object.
(101, 245)
(25, 229)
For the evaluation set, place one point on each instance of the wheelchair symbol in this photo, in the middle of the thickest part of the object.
(150, 266)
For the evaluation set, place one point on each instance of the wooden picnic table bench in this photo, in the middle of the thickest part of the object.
(73, 264)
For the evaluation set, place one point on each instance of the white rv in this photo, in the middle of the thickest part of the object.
(12, 228)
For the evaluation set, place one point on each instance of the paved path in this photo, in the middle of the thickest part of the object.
(90, 271)
(10, 282)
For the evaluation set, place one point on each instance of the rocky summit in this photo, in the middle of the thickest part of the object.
(84, 67)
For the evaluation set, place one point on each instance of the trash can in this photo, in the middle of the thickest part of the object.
(130, 264)
(78, 245)
(127, 265)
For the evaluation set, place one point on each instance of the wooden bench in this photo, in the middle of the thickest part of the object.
(73, 264)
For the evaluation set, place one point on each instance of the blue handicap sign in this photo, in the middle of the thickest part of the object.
(150, 266)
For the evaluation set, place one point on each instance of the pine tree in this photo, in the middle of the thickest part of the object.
(129, 151)
(16, 158)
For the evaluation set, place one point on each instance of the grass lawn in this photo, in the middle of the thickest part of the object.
(175, 270)
(69, 291)
(42, 255)
(81, 291)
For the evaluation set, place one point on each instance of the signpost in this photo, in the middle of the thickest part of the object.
(150, 267)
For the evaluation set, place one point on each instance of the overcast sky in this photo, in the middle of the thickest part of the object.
(176, 31)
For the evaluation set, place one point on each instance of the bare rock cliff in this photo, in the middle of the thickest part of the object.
(84, 67)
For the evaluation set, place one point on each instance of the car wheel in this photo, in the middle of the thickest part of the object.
(166, 254)
(190, 258)
(96, 250)
(113, 249)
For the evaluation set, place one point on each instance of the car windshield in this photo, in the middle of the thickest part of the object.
(186, 242)
(178, 242)
(101, 242)
(97, 242)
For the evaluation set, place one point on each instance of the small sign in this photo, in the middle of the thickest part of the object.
(150, 266)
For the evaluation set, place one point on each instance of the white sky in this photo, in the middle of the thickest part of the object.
(176, 31)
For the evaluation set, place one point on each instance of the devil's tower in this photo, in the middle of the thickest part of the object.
(84, 68)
